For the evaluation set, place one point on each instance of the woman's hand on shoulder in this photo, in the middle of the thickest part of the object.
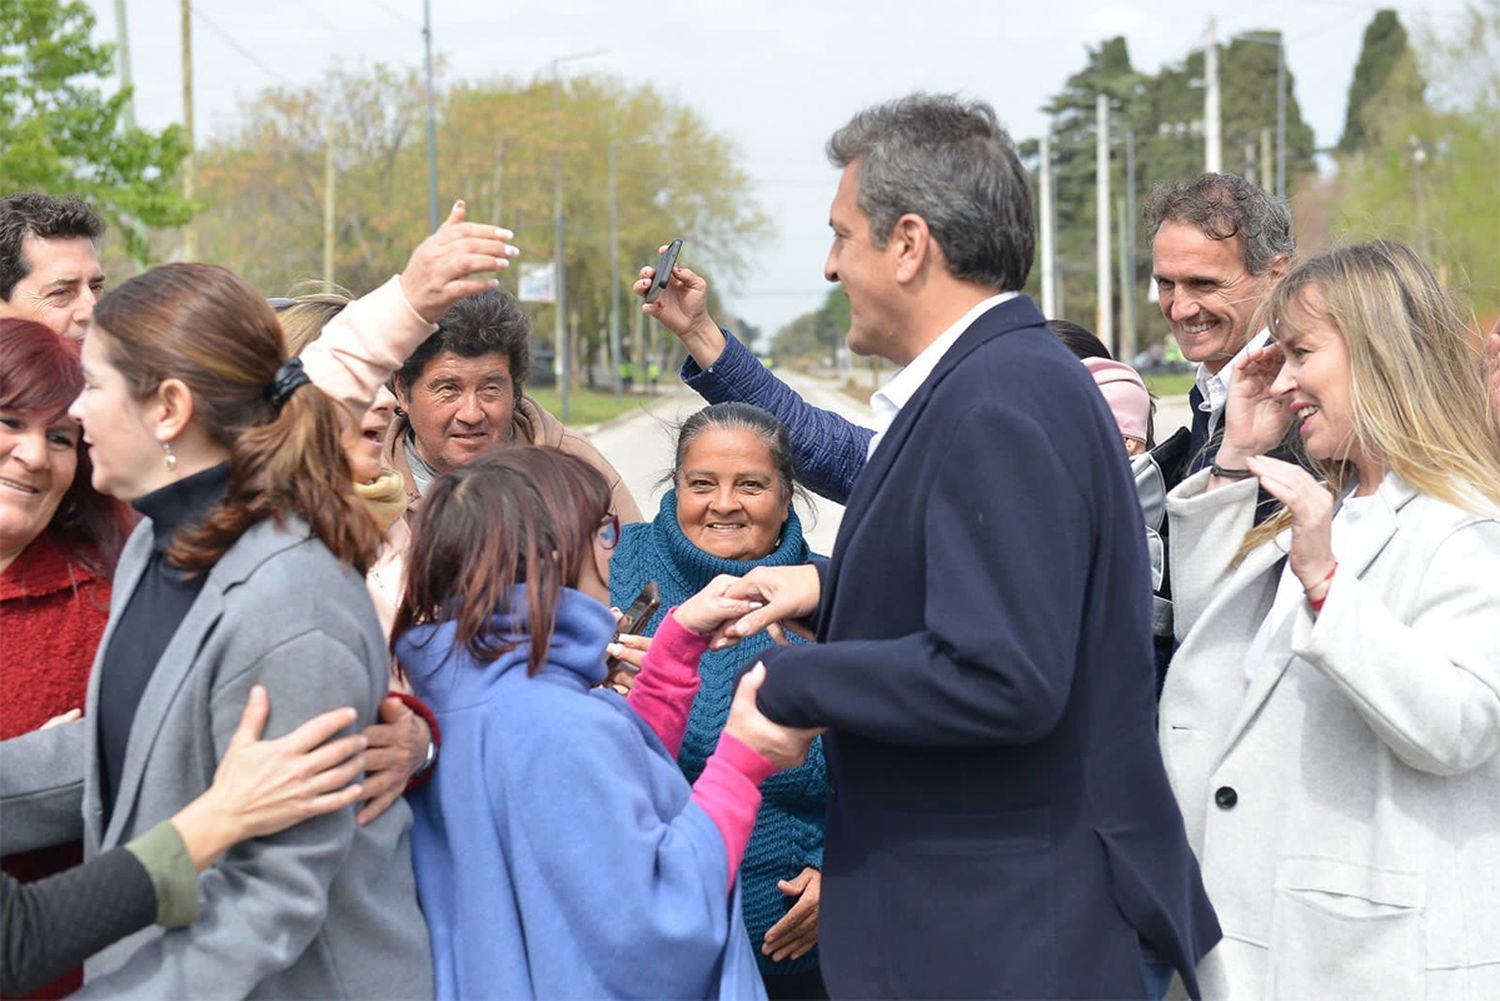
(265, 786)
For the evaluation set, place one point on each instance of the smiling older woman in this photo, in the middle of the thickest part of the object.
(730, 510)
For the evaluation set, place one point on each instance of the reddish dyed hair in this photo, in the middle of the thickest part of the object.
(40, 374)
(520, 515)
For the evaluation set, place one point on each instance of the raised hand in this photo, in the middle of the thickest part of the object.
(682, 308)
(782, 746)
(441, 270)
(1255, 417)
(1311, 508)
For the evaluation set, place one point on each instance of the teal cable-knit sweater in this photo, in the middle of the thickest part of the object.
(788, 835)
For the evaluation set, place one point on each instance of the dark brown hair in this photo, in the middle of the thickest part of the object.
(46, 217)
(202, 325)
(40, 374)
(520, 515)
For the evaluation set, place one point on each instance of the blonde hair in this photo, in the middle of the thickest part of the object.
(305, 319)
(1416, 376)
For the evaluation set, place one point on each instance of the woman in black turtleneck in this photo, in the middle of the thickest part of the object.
(246, 569)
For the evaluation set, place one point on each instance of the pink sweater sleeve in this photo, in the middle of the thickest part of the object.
(361, 346)
(668, 682)
(728, 791)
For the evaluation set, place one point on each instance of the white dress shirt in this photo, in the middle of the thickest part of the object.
(889, 399)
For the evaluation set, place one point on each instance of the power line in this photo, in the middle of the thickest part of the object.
(396, 13)
(229, 40)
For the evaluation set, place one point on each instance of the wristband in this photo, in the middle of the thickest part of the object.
(1229, 474)
(421, 776)
(1317, 603)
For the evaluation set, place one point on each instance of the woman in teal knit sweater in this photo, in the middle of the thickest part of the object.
(730, 510)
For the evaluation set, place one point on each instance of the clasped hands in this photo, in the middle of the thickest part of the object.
(729, 610)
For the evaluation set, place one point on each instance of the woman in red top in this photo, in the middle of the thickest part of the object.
(58, 543)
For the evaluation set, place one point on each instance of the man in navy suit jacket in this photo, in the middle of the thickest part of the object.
(1000, 823)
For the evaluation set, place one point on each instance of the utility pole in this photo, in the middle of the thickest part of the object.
(560, 335)
(497, 187)
(1266, 167)
(1127, 263)
(1280, 116)
(562, 362)
(432, 172)
(328, 196)
(1125, 351)
(614, 277)
(189, 233)
(1105, 322)
(1213, 156)
(122, 39)
(1044, 197)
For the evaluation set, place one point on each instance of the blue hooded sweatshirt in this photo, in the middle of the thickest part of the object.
(556, 851)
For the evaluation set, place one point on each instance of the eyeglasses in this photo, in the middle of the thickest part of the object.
(609, 530)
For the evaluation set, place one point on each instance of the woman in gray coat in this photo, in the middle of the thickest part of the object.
(246, 569)
(1331, 720)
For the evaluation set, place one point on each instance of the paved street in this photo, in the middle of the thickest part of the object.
(640, 446)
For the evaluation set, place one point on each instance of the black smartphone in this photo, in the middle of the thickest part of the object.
(638, 614)
(664, 270)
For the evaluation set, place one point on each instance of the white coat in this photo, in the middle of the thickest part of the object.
(1345, 807)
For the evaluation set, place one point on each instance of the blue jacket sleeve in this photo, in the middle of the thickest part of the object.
(827, 451)
(1004, 585)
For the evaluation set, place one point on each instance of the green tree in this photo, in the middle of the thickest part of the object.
(59, 133)
(816, 334)
(1163, 112)
(675, 176)
(1428, 175)
(1386, 67)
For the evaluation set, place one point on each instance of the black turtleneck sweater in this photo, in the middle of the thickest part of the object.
(156, 608)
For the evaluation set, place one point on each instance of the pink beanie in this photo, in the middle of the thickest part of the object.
(1125, 393)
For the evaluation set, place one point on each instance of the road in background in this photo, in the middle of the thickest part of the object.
(640, 446)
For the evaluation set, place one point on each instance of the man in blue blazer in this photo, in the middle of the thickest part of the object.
(1000, 823)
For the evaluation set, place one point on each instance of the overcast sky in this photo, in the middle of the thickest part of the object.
(775, 76)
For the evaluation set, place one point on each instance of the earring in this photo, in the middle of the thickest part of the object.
(168, 458)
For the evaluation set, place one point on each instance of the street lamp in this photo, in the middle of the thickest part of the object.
(562, 364)
(1274, 38)
(614, 267)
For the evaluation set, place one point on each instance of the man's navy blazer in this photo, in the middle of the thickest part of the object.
(1000, 823)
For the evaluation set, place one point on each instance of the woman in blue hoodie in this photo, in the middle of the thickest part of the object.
(560, 852)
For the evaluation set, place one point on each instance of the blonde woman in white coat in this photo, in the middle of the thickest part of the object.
(1331, 718)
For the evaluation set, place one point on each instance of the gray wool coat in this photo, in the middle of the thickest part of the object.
(1345, 805)
(327, 909)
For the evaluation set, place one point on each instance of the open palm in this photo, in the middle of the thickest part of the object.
(1255, 417)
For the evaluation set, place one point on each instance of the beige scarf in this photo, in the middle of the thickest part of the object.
(386, 497)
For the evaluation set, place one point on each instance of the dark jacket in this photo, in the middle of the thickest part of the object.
(1001, 823)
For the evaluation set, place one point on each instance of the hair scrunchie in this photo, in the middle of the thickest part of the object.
(288, 377)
